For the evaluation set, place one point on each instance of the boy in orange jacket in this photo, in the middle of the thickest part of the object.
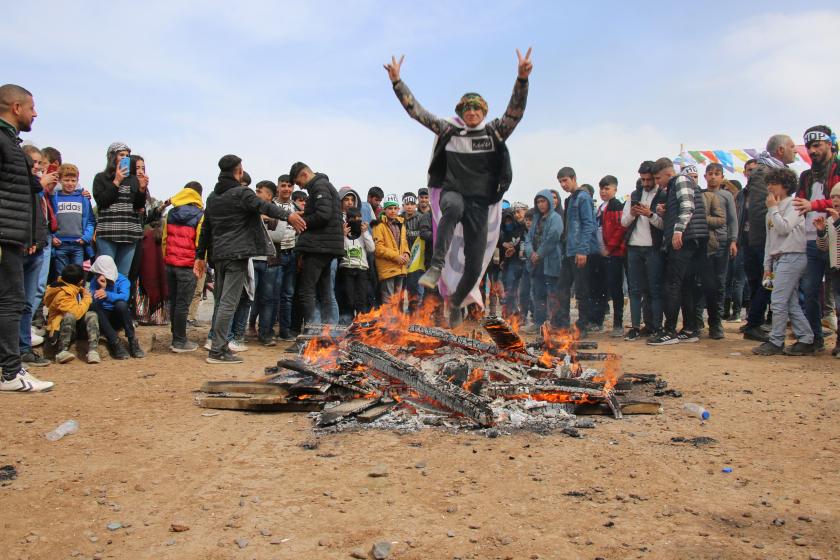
(68, 303)
(392, 253)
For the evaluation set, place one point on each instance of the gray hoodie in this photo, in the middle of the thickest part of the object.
(785, 232)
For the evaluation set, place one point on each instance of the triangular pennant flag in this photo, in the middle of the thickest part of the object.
(725, 160)
(803, 153)
(698, 157)
(740, 154)
(710, 155)
(752, 153)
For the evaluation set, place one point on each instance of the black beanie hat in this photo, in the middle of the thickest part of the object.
(229, 162)
(423, 191)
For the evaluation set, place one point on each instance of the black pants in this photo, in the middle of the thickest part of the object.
(12, 301)
(710, 286)
(473, 217)
(314, 273)
(607, 283)
(679, 284)
(572, 276)
(759, 296)
(111, 321)
(351, 292)
(181, 282)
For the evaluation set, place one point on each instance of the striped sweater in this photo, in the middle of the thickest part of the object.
(118, 218)
(829, 240)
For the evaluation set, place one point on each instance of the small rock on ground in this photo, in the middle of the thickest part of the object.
(381, 550)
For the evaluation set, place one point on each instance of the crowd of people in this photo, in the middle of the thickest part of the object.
(74, 263)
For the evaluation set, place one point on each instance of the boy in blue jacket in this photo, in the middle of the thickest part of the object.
(580, 241)
(111, 291)
(543, 255)
(75, 219)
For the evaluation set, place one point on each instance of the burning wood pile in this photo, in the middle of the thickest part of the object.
(389, 370)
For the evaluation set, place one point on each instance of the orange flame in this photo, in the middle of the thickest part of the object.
(475, 376)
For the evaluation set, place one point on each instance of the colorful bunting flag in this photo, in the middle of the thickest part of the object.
(740, 154)
(710, 155)
(698, 157)
(752, 153)
(725, 159)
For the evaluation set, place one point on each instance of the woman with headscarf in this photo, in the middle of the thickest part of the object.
(119, 197)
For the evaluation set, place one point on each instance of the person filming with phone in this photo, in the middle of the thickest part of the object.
(119, 197)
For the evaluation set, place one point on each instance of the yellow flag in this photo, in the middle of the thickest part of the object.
(418, 256)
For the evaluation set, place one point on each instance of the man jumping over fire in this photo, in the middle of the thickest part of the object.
(471, 166)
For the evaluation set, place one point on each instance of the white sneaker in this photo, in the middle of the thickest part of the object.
(37, 340)
(25, 382)
(64, 356)
(208, 345)
(35, 331)
(237, 346)
(93, 357)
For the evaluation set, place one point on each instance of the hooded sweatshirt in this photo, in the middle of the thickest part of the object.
(118, 286)
(182, 228)
(74, 216)
(62, 298)
(544, 238)
(389, 248)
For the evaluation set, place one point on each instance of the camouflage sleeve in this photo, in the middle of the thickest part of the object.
(416, 111)
(515, 109)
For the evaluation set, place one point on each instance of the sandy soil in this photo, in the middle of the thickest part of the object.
(146, 457)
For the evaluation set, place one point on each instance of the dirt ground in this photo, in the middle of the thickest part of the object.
(146, 457)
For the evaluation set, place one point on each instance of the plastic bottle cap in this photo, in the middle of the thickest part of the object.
(705, 415)
(727, 469)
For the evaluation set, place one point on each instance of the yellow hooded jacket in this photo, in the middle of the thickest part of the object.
(61, 298)
(389, 250)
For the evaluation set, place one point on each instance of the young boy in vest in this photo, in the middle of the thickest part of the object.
(69, 315)
(74, 217)
(179, 241)
(392, 253)
(785, 263)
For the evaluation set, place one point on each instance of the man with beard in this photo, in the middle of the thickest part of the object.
(471, 165)
(423, 205)
(17, 234)
(813, 198)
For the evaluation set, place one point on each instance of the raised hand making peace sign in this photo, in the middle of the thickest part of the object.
(394, 68)
(525, 64)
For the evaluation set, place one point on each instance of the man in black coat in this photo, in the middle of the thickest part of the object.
(17, 234)
(323, 239)
(234, 232)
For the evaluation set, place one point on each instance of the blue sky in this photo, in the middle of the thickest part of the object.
(614, 83)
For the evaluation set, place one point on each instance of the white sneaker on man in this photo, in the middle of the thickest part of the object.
(237, 347)
(37, 340)
(25, 382)
(208, 345)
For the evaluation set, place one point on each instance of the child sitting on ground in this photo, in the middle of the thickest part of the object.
(68, 302)
(110, 302)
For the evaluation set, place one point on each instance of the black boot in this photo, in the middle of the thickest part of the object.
(134, 348)
(117, 351)
(727, 306)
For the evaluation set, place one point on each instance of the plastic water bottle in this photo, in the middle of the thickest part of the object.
(69, 427)
(696, 410)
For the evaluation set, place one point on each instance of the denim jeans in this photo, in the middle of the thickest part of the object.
(31, 275)
(788, 270)
(645, 275)
(12, 297)
(284, 289)
(511, 276)
(67, 253)
(327, 310)
(526, 304)
(413, 288)
(110, 321)
(759, 296)
(544, 294)
(571, 275)
(45, 274)
(122, 253)
(231, 276)
(811, 286)
(265, 301)
(259, 274)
